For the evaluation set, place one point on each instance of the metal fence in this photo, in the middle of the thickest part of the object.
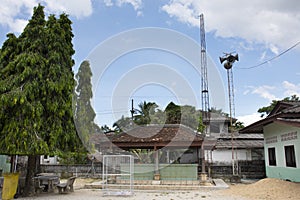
(117, 168)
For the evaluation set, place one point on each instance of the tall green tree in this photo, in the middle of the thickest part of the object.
(145, 110)
(190, 116)
(267, 109)
(173, 113)
(84, 112)
(36, 88)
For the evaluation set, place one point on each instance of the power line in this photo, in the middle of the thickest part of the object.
(273, 58)
(109, 112)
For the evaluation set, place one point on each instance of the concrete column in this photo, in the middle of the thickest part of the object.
(156, 160)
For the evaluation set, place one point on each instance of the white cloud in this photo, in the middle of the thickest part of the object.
(263, 56)
(271, 22)
(136, 4)
(10, 13)
(15, 14)
(285, 89)
(291, 89)
(108, 3)
(77, 8)
(249, 119)
(265, 92)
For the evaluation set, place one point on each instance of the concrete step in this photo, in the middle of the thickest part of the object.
(157, 185)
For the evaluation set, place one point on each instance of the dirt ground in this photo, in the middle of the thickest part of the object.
(265, 189)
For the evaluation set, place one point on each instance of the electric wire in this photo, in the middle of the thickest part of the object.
(273, 58)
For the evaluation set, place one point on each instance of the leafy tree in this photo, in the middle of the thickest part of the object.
(106, 129)
(84, 112)
(159, 117)
(146, 111)
(123, 124)
(189, 116)
(267, 109)
(238, 125)
(173, 113)
(36, 87)
(218, 111)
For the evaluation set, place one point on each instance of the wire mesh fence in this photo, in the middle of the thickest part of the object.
(118, 175)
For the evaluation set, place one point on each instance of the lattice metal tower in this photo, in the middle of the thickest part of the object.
(204, 79)
(204, 95)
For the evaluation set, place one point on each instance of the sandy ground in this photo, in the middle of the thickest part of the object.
(265, 189)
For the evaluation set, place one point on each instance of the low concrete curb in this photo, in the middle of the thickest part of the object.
(217, 184)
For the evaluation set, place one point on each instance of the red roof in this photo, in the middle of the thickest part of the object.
(173, 135)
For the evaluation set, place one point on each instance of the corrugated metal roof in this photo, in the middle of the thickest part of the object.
(243, 136)
(240, 144)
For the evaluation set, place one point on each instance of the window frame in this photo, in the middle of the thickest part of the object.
(290, 156)
(272, 156)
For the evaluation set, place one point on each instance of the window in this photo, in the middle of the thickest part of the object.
(272, 156)
(290, 158)
(214, 127)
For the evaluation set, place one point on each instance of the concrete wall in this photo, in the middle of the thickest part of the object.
(167, 171)
(4, 166)
(79, 170)
(141, 171)
(247, 169)
(225, 155)
(273, 134)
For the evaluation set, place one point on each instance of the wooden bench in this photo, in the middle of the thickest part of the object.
(66, 187)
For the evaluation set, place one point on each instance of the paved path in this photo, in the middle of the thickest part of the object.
(91, 194)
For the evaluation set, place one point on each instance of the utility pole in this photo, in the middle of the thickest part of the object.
(228, 60)
(132, 110)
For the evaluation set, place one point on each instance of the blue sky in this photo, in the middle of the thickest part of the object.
(158, 68)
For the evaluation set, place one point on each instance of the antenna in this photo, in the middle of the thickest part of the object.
(204, 79)
(204, 95)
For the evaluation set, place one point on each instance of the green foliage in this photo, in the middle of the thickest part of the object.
(201, 127)
(238, 125)
(84, 112)
(267, 109)
(71, 158)
(146, 111)
(36, 87)
(123, 124)
(173, 113)
(105, 129)
(190, 116)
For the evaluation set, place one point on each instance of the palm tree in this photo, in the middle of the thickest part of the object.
(145, 111)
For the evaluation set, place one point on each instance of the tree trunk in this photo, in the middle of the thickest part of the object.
(29, 189)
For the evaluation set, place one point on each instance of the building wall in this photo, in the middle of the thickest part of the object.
(51, 160)
(254, 169)
(225, 155)
(276, 137)
(4, 165)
